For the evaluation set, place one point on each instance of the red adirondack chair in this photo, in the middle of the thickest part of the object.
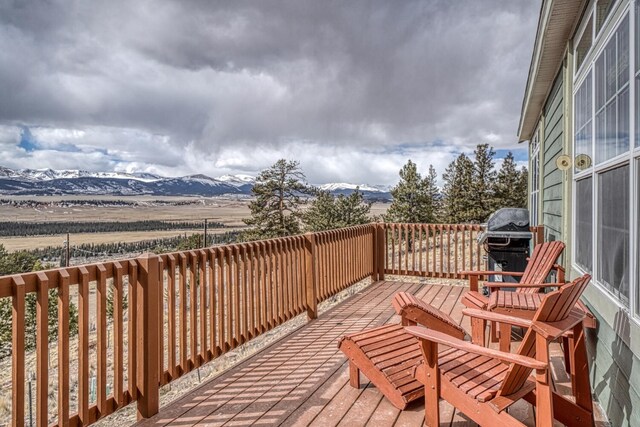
(483, 383)
(541, 263)
(388, 354)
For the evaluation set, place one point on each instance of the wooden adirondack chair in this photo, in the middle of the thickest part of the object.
(542, 262)
(388, 354)
(414, 311)
(483, 383)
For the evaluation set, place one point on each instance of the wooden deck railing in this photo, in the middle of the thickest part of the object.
(433, 250)
(144, 322)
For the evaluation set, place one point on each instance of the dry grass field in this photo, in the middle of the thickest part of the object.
(227, 210)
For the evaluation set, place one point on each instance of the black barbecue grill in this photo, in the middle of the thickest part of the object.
(506, 240)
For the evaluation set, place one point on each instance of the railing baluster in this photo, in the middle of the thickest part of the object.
(246, 330)
(202, 312)
(254, 296)
(161, 321)
(279, 281)
(237, 284)
(228, 289)
(262, 270)
(171, 314)
(210, 254)
(132, 377)
(463, 250)
(17, 352)
(184, 362)
(42, 349)
(221, 297)
(118, 339)
(83, 346)
(193, 307)
(286, 283)
(63, 348)
(101, 313)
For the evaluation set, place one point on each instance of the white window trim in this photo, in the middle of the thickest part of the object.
(632, 157)
(534, 211)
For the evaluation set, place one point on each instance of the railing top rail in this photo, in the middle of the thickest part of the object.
(436, 224)
(55, 275)
(345, 230)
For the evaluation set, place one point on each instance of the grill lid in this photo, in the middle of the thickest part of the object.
(509, 219)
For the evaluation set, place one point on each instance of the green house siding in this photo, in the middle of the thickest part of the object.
(615, 371)
(552, 185)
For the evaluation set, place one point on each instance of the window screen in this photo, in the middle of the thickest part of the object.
(584, 224)
(602, 11)
(583, 122)
(586, 40)
(613, 231)
(612, 96)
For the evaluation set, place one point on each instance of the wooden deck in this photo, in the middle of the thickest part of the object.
(303, 379)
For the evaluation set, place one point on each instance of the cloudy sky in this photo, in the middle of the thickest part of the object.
(351, 89)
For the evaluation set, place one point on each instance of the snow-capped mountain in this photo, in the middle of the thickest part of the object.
(337, 186)
(237, 180)
(74, 182)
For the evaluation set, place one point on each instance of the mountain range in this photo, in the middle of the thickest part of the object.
(46, 182)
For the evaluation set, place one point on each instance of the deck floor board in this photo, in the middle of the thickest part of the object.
(303, 379)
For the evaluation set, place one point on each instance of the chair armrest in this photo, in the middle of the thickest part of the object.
(448, 340)
(497, 317)
(492, 273)
(522, 285)
(554, 330)
(560, 275)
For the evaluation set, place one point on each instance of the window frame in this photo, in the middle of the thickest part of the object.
(584, 27)
(534, 191)
(621, 10)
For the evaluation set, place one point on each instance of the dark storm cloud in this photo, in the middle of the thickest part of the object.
(211, 81)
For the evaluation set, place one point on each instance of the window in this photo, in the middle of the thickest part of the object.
(637, 234)
(612, 96)
(535, 180)
(603, 9)
(604, 204)
(613, 231)
(637, 254)
(584, 224)
(583, 46)
(583, 125)
(637, 74)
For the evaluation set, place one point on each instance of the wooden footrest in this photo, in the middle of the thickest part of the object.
(387, 356)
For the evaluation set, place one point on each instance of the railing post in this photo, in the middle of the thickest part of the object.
(310, 269)
(148, 292)
(379, 251)
(540, 234)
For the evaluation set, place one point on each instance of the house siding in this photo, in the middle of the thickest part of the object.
(552, 184)
(615, 371)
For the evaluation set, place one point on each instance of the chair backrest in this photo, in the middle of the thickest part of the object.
(540, 264)
(555, 306)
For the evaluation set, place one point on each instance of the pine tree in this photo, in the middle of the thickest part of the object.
(458, 192)
(275, 212)
(352, 209)
(433, 195)
(328, 212)
(511, 185)
(414, 199)
(484, 176)
(321, 214)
